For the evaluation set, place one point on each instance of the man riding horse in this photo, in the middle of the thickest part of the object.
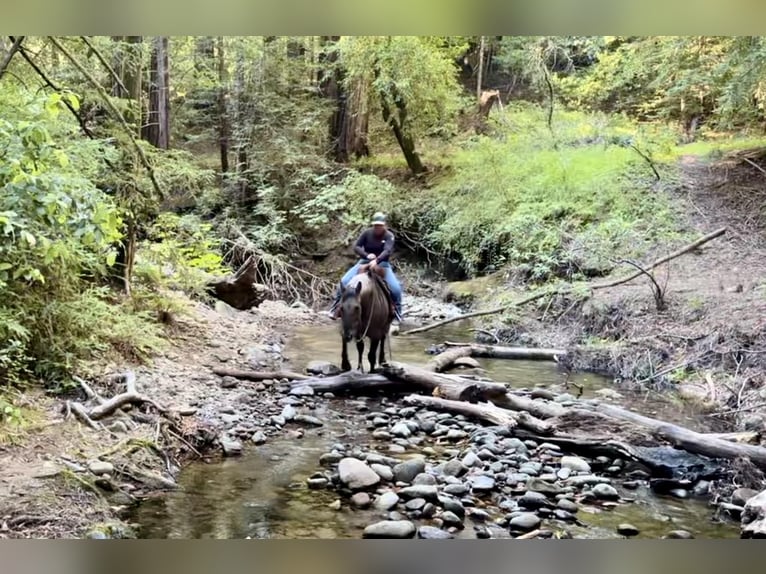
(374, 246)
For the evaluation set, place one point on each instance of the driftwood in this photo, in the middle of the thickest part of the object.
(486, 412)
(259, 375)
(448, 387)
(352, 382)
(443, 361)
(240, 290)
(498, 352)
(594, 286)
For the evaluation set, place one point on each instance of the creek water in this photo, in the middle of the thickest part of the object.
(263, 494)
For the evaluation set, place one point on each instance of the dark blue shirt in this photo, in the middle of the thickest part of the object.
(381, 247)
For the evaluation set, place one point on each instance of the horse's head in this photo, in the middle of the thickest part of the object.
(351, 312)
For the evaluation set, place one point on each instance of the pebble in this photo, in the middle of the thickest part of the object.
(533, 500)
(360, 500)
(317, 483)
(455, 434)
(387, 500)
(456, 489)
(433, 533)
(302, 391)
(451, 519)
(308, 420)
(424, 478)
(741, 495)
(231, 447)
(426, 491)
(584, 480)
(568, 505)
(415, 504)
(259, 437)
(383, 471)
(452, 505)
(680, 535)
(627, 529)
(407, 470)
(575, 463)
(605, 492)
(482, 483)
(330, 458)
(288, 413)
(401, 430)
(564, 515)
(99, 467)
(390, 529)
(526, 521)
(229, 383)
(454, 468)
(356, 474)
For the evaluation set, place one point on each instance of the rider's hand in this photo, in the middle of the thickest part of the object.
(370, 256)
(374, 264)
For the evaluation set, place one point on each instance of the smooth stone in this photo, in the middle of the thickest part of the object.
(259, 438)
(330, 458)
(429, 492)
(433, 533)
(740, 496)
(627, 529)
(390, 529)
(231, 447)
(533, 500)
(308, 420)
(702, 488)
(526, 521)
(424, 478)
(428, 510)
(387, 500)
(482, 483)
(680, 535)
(229, 383)
(317, 483)
(407, 471)
(99, 467)
(679, 493)
(302, 391)
(322, 368)
(452, 505)
(584, 480)
(454, 468)
(356, 474)
(288, 413)
(564, 515)
(455, 434)
(360, 500)
(539, 485)
(563, 473)
(575, 463)
(568, 505)
(396, 449)
(631, 484)
(383, 472)
(449, 518)
(415, 504)
(605, 492)
(401, 430)
(456, 489)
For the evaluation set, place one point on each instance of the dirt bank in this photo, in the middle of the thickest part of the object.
(61, 479)
(709, 342)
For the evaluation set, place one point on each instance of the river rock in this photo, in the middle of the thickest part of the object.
(401, 430)
(360, 500)
(533, 500)
(383, 472)
(302, 391)
(452, 505)
(575, 463)
(356, 474)
(308, 420)
(387, 500)
(457, 489)
(390, 529)
(415, 504)
(470, 459)
(424, 478)
(567, 505)
(229, 383)
(407, 470)
(230, 446)
(288, 413)
(679, 535)
(433, 533)
(454, 467)
(605, 492)
(99, 467)
(456, 434)
(316, 483)
(587, 479)
(740, 496)
(324, 368)
(426, 491)
(330, 458)
(539, 485)
(482, 483)
(627, 529)
(449, 518)
(525, 522)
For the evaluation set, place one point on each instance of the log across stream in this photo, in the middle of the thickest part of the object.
(264, 493)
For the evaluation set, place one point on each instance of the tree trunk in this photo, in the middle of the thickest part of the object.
(498, 352)
(397, 124)
(480, 72)
(240, 290)
(8, 56)
(223, 97)
(157, 127)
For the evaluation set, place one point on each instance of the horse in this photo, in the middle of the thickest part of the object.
(366, 312)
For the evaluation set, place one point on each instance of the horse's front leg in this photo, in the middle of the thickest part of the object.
(360, 350)
(371, 356)
(345, 364)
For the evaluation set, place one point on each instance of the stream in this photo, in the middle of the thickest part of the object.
(263, 494)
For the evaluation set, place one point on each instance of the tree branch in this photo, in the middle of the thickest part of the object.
(9, 56)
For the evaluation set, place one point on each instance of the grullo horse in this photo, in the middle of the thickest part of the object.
(366, 312)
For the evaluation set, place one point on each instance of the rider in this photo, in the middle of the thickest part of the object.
(374, 246)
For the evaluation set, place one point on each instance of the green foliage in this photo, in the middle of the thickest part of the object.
(180, 253)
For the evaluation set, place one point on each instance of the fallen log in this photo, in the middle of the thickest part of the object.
(680, 437)
(259, 375)
(443, 361)
(748, 437)
(594, 286)
(448, 387)
(499, 352)
(754, 517)
(241, 289)
(538, 407)
(350, 382)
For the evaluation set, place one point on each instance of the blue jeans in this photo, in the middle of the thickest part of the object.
(393, 283)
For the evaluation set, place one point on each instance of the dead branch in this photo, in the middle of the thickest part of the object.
(443, 361)
(499, 352)
(657, 291)
(9, 56)
(259, 375)
(594, 286)
(648, 160)
(80, 412)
